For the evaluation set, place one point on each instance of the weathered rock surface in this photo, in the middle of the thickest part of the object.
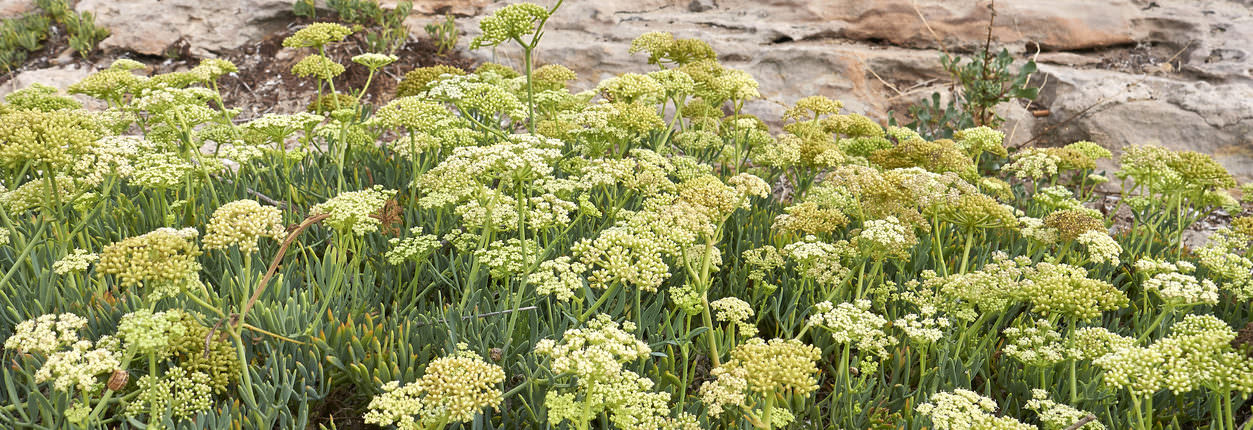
(207, 26)
(10, 8)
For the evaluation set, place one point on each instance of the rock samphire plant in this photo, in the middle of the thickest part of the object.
(499, 249)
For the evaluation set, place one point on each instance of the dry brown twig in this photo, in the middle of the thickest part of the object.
(1087, 419)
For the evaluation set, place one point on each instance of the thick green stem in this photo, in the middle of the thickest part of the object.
(709, 335)
(970, 240)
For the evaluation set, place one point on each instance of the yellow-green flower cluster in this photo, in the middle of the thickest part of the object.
(509, 23)
(1197, 354)
(45, 139)
(317, 66)
(962, 409)
(762, 369)
(777, 366)
(413, 114)
(317, 35)
(242, 223)
(508, 258)
(210, 69)
(940, 156)
(110, 84)
(1090, 343)
(1158, 170)
(978, 140)
(1071, 223)
(1101, 247)
(276, 128)
(1066, 290)
(352, 211)
(162, 256)
(40, 97)
(184, 393)
(197, 351)
(415, 247)
(663, 47)
(632, 88)
(418, 80)
(1226, 257)
(453, 389)
(604, 124)
(151, 333)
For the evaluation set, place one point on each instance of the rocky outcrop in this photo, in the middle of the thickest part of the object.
(207, 27)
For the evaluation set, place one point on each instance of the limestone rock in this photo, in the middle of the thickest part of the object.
(1117, 109)
(208, 27)
(10, 8)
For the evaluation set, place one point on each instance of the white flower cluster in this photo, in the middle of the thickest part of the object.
(595, 356)
(1101, 247)
(963, 409)
(1057, 416)
(1175, 284)
(1036, 345)
(824, 263)
(81, 365)
(351, 212)
(560, 277)
(1032, 163)
(415, 247)
(855, 325)
(739, 312)
(77, 261)
(924, 327)
(184, 393)
(45, 334)
(508, 258)
(886, 238)
(110, 156)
